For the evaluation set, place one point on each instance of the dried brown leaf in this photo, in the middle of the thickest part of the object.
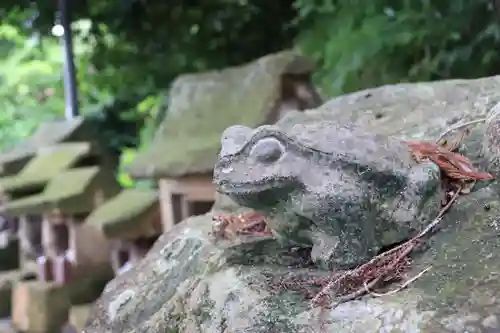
(453, 165)
(248, 223)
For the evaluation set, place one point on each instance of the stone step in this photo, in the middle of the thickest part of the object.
(5, 326)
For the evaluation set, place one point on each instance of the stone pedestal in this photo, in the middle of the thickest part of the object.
(39, 307)
(9, 253)
(7, 281)
(78, 316)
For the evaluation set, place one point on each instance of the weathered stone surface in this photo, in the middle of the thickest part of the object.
(187, 284)
(343, 190)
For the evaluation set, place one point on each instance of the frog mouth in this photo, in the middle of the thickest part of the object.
(260, 196)
(251, 187)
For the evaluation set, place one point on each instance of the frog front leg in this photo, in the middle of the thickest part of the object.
(337, 252)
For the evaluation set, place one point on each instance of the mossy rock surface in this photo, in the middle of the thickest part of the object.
(127, 215)
(202, 105)
(186, 283)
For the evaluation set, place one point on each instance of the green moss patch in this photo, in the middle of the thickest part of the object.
(45, 165)
(71, 192)
(203, 105)
(125, 213)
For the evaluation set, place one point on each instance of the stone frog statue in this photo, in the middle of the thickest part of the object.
(344, 191)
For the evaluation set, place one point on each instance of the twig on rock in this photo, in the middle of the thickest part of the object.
(358, 273)
(457, 127)
(401, 287)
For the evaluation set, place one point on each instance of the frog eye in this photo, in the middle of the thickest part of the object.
(267, 150)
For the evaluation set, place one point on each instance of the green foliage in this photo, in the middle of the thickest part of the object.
(30, 80)
(153, 109)
(359, 44)
(31, 89)
(159, 39)
(149, 105)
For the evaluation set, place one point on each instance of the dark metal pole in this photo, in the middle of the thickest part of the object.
(70, 84)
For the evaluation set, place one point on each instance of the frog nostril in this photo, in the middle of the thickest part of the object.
(223, 167)
(222, 163)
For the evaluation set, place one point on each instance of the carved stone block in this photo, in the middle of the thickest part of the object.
(39, 307)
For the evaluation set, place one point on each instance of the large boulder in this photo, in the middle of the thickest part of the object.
(188, 283)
